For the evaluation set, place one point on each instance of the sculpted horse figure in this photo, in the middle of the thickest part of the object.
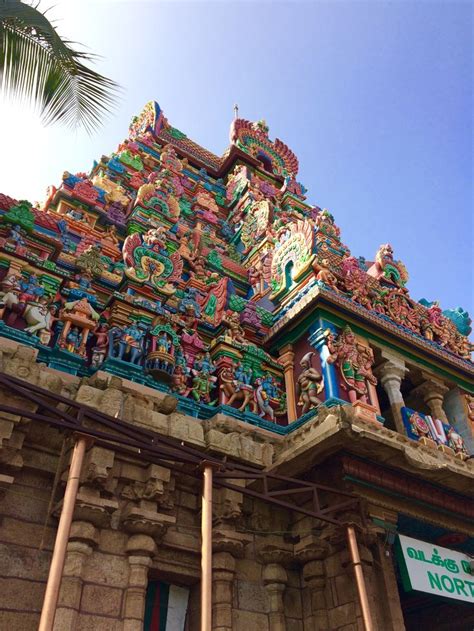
(9, 299)
(39, 316)
(235, 392)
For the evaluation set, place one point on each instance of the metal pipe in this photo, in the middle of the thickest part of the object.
(206, 549)
(62, 537)
(359, 577)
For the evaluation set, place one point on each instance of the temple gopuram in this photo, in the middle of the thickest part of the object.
(214, 415)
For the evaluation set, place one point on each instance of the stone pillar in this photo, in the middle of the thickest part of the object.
(140, 549)
(223, 566)
(314, 576)
(394, 615)
(287, 358)
(275, 580)
(318, 340)
(82, 540)
(433, 392)
(390, 374)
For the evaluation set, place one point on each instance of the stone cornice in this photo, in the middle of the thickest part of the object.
(405, 485)
(339, 431)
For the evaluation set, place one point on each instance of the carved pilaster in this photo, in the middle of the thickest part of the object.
(223, 571)
(287, 357)
(83, 539)
(311, 552)
(275, 580)
(314, 576)
(140, 549)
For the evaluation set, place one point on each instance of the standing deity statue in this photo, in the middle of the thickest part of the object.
(310, 383)
(236, 332)
(355, 363)
(263, 400)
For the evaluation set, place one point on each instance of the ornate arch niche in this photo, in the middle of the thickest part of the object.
(275, 157)
(292, 257)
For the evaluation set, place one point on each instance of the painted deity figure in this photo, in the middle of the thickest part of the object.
(310, 383)
(75, 214)
(263, 400)
(10, 290)
(455, 441)
(325, 275)
(204, 363)
(242, 375)
(127, 344)
(179, 381)
(16, 236)
(199, 268)
(73, 340)
(236, 332)
(269, 386)
(99, 351)
(355, 363)
(255, 278)
(235, 390)
(163, 343)
(202, 385)
(31, 290)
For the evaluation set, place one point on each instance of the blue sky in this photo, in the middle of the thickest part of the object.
(375, 99)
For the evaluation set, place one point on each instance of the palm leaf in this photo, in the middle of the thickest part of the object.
(37, 65)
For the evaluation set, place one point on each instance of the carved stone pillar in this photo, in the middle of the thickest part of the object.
(311, 552)
(314, 576)
(394, 616)
(82, 540)
(223, 566)
(287, 357)
(275, 580)
(140, 549)
(433, 392)
(390, 374)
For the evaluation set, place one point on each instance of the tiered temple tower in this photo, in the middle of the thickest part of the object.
(205, 298)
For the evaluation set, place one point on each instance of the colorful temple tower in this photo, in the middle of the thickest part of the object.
(206, 299)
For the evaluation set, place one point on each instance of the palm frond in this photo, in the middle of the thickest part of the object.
(38, 65)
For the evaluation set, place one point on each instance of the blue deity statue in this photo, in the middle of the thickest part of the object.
(243, 375)
(269, 386)
(31, 290)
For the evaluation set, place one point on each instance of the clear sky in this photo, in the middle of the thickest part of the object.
(375, 99)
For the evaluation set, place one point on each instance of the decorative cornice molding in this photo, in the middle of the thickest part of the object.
(407, 486)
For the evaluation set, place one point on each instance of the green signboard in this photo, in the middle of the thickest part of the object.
(428, 568)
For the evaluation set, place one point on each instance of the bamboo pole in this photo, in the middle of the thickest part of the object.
(51, 595)
(206, 549)
(359, 577)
